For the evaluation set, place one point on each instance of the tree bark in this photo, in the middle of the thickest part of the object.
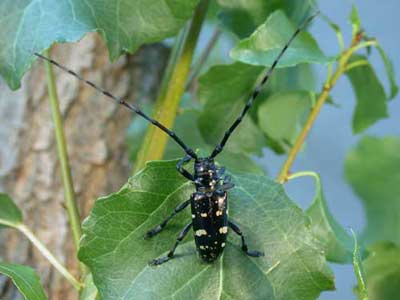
(95, 134)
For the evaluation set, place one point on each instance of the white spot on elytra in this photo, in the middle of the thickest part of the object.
(202, 247)
(218, 213)
(223, 230)
(223, 245)
(193, 216)
(204, 215)
(201, 232)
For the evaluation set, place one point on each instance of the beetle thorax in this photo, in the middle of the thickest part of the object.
(206, 174)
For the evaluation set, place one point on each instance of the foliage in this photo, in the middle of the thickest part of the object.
(31, 26)
(271, 221)
(26, 280)
(10, 215)
(264, 45)
(376, 161)
(382, 272)
(370, 95)
(335, 241)
(297, 243)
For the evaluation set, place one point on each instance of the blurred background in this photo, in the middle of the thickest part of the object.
(28, 164)
(332, 137)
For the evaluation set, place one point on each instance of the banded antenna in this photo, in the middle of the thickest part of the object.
(257, 90)
(121, 101)
(172, 134)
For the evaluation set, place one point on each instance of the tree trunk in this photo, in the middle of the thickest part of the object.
(95, 133)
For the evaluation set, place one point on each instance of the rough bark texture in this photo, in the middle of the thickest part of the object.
(95, 132)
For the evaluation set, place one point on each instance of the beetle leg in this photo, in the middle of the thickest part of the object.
(158, 228)
(237, 230)
(181, 236)
(181, 169)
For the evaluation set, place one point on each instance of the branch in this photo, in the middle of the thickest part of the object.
(329, 84)
(49, 256)
(69, 193)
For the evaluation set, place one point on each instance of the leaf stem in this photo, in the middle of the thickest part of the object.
(302, 174)
(70, 201)
(329, 84)
(167, 104)
(49, 256)
(358, 63)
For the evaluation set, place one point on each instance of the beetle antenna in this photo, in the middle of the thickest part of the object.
(257, 90)
(131, 107)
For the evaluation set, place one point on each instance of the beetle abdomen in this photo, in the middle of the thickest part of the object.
(210, 223)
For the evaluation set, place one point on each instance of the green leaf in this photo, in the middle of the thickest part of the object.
(361, 289)
(10, 215)
(243, 17)
(264, 45)
(224, 90)
(372, 169)
(382, 272)
(283, 115)
(394, 88)
(114, 249)
(338, 245)
(370, 94)
(300, 77)
(29, 26)
(25, 279)
(355, 20)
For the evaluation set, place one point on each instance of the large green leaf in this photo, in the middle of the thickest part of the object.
(225, 89)
(25, 279)
(243, 17)
(264, 45)
(338, 245)
(382, 273)
(28, 26)
(372, 169)
(10, 215)
(283, 115)
(114, 249)
(371, 98)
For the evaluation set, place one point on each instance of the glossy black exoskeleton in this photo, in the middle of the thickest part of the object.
(209, 205)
